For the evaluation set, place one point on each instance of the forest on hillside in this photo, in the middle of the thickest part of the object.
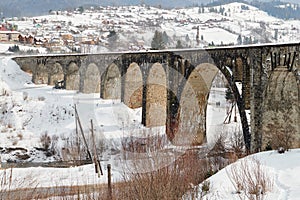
(274, 8)
(13, 8)
(279, 9)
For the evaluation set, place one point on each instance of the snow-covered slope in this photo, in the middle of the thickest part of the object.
(219, 25)
(29, 111)
(283, 170)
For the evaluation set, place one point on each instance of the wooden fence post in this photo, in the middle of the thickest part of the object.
(109, 194)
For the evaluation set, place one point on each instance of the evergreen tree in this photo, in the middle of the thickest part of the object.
(276, 34)
(112, 34)
(165, 37)
(250, 40)
(80, 9)
(112, 39)
(179, 45)
(157, 41)
(246, 40)
(239, 40)
(187, 38)
(14, 48)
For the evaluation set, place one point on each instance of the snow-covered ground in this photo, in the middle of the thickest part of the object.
(283, 171)
(29, 111)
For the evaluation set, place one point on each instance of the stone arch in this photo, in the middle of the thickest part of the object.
(40, 75)
(281, 109)
(133, 88)
(91, 79)
(56, 74)
(193, 104)
(111, 83)
(26, 65)
(72, 78)
(156, 96)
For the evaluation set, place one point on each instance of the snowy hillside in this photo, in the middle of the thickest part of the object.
(135, 26)
(30, 8)
(30, 111)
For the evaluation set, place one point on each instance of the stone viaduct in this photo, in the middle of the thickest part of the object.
(172, 86)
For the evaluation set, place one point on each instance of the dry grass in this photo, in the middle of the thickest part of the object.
(151, 173)
(166, 182)
(8, 183)
(250, 179)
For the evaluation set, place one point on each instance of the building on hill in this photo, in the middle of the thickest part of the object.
(3, 28)
(26, 39)
(6, 36)
(8, 27)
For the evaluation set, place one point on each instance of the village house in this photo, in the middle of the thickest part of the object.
(40, 41)
(56, 45)
(6, 36)
(68, 39)
(8, 32)
(25, 39)
(80, 38)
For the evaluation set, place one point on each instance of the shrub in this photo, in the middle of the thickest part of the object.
(237, 144)
(205, 186)
(41, 98)
(25, 96)
(45, 141)
(250, 179)
(53, 146)
(20, 136)
(165, 182)
(14, 48)
(8, 183)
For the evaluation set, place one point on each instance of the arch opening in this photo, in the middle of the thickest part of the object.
(202, 98)
(41, 75)
(56, 74)
(156, 96)
(91, 79)
(72, 78)
(111, 83)
(223, 117)
(133, 90)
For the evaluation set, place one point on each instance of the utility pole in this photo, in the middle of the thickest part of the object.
(77, 139)
(96, 159)
(83, 137)
(109, 193)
